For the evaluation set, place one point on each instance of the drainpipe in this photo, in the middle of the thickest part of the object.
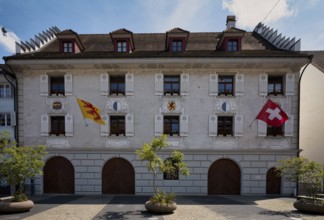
(310, 57)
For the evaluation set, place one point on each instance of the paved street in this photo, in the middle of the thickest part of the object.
(189, 207)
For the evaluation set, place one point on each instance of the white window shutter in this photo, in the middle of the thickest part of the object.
(239, 84)
(129, 84)
(68, 84)
(158, 125)
(44, 125)
(104, 84)
(105, 129)
(68, 125)
(44, 85)
(262, 128)
(159, 84)
(238, 125)
(129, 125)
(13, 118)
(184, 84)
(184, 125)
(289, 126)
(263, 84)
(290, 84)
(213, 84)
(213, 125)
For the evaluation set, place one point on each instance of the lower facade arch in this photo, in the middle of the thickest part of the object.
(224, 178)
(118, 177)
(58, 176)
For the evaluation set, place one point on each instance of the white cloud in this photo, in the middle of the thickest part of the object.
(8, 41)
(250, 12)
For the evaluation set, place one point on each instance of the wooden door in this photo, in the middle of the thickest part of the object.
(224, 178)
(273, 181)
(58, 176)
(118, 177)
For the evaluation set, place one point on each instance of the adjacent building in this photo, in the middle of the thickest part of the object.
(203, 90)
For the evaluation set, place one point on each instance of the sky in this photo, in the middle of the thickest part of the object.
(23, 19)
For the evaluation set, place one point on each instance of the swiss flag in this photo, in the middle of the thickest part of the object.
(272, 114)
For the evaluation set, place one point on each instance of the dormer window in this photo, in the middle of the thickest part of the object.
(68, 47)
(232, 45)
(177, 45)
(122, 46)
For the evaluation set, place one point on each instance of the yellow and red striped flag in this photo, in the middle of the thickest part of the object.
(90, 111)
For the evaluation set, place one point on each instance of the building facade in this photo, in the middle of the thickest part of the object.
(203, 90)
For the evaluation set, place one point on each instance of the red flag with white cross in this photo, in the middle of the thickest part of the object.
(272, 114)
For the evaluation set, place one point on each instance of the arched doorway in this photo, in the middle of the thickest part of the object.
(118, 177)
(273, 181)
(224, 178)
(58, 176)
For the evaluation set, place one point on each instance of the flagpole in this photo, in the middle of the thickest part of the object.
(81, 112)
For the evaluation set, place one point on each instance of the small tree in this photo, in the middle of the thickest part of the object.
(155, 164)
(301, 170)
(19, 164)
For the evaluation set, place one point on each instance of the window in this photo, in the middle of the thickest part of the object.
(117, 85)
(171, 85)
(68, 47)
(57, 125)
(5, 91)
(274, 131)
(232, 45)
(57, 85)
(177, 45)
(171, 175)
(225, 85)
(275, 85)
(117, 125)
(171, 125)
(5, 119)
(122, 46)
(225, 126)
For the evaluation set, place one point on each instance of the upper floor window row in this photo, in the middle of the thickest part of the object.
(276, 84)
(5, 90)
(56, 85)
(120, 85)
(227, 84)
(173, 85)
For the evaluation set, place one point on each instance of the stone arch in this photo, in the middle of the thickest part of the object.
(58, 176)
(224, 178)
(118, 177)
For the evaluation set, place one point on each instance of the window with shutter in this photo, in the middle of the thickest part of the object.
(213, 125)
(171, 125)
(158, 125)
(159, 84)
(238, 125)
(117, 85)
(68, 84)
(184, 87)
(289, 126)
(129, 125)
(105, 129)
(213, 84)
(225, 126)
(184, 125)
(129, 84)
(104, 84)
(263, 84)
(239, 84)
(68, 125)
(117, 125)
(290, 84)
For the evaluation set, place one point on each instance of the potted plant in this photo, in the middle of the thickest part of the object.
(19, 164)
(161, 202)
(310, 174)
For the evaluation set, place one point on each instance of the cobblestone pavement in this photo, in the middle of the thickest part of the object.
(101, 207)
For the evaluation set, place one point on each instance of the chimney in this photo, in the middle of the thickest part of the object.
(230, 21)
